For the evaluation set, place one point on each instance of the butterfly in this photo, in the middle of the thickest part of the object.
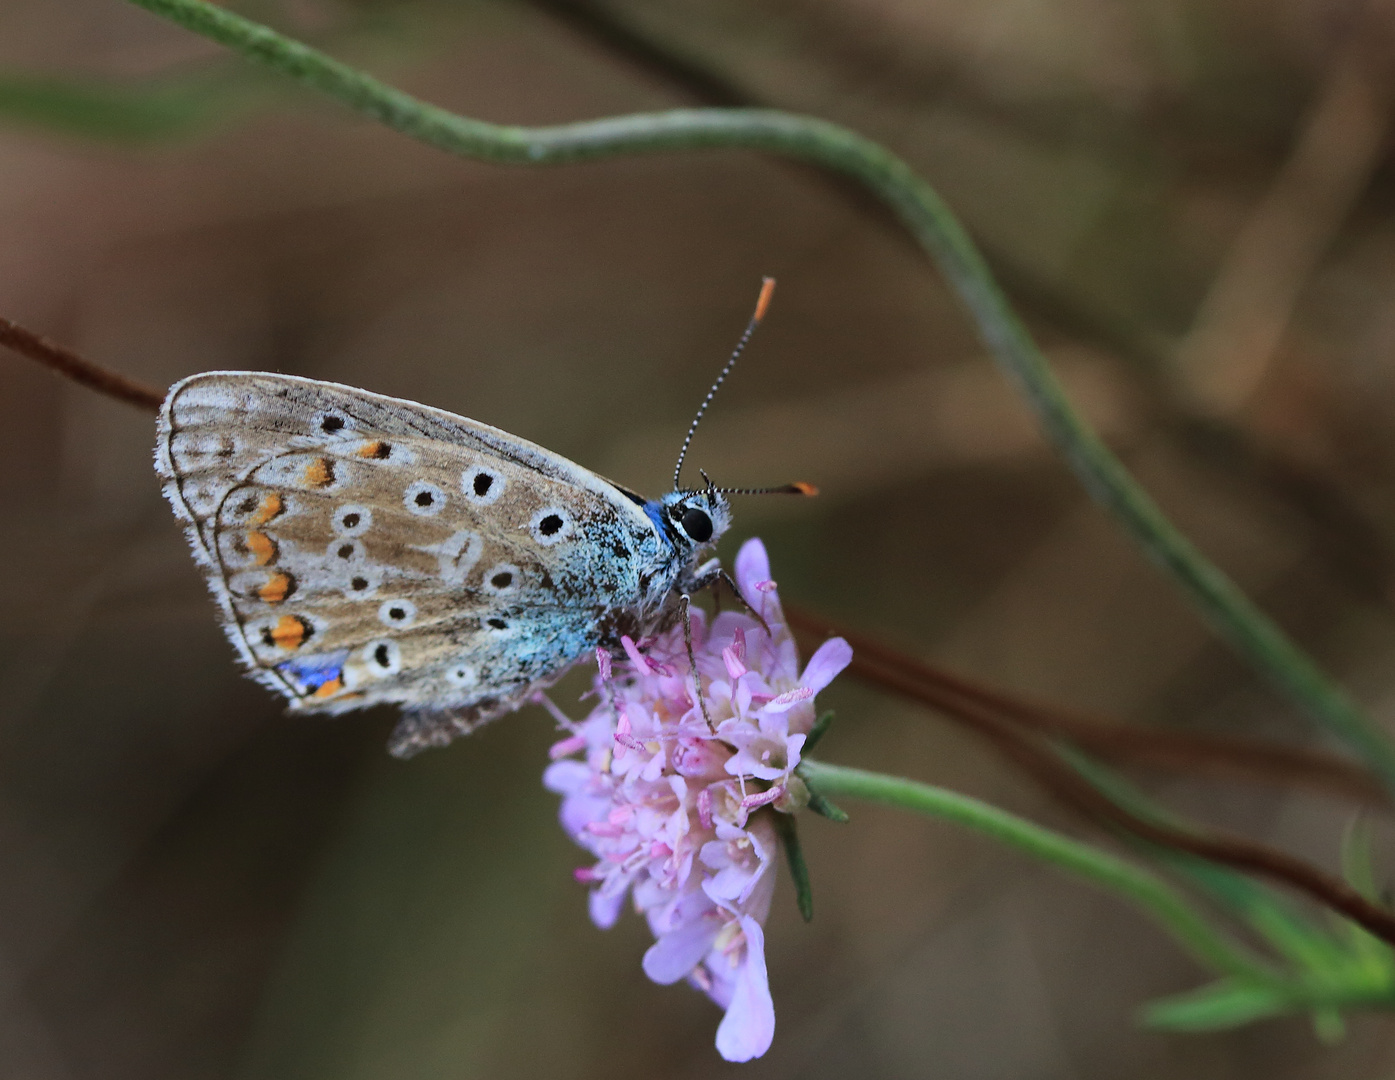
(365, 549)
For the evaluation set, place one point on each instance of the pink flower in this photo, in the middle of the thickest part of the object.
(677, 814)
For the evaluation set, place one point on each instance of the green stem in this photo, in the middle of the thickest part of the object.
(921, 210)
(1143, 888)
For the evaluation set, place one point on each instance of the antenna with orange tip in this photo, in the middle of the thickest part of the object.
(799, 488)
(767, 290)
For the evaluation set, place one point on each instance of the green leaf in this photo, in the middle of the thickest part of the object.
(1221, 1005)
(817, 732)
(821, 806)
(799, 869)
(1308, 945)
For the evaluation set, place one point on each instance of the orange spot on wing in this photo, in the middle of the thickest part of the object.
(262, 547)
(319, 473)
(279, 586)
(271, 506)
(329, 689)
(375, 449)
(290, 632)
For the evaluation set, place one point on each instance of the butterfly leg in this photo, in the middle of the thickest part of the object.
(699, 578)
(687, 604)
(711, 574)
(723, 576)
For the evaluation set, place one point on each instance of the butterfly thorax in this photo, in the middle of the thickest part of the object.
(686, 524)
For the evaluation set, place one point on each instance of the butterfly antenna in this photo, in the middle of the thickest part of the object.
(800, 487)
(767, 288)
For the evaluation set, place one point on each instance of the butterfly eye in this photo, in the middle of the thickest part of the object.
(697, 525)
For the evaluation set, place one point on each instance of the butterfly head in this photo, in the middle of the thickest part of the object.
(691, 519)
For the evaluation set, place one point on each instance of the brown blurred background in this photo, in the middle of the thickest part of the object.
(1190, 200)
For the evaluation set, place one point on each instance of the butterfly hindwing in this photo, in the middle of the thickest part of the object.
(366, 549)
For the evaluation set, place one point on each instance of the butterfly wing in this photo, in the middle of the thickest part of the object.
(365, 549)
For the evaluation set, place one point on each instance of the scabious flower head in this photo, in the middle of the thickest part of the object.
(678, 813)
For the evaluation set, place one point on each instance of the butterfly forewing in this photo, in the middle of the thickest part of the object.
(367, 549)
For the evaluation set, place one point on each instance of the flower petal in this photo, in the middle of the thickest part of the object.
(788, 700)
(567, 777)
(570, 745)
(637, 658)
(752, 566)
(832, 657)
(725, 625)
(578, 811)
(605, 907)
(749, 1025)
(680, 950)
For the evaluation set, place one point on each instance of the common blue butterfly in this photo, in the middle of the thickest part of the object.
(365, 549)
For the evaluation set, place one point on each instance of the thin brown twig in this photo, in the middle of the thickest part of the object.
(1037, 759)
(1210, 754)
(72, 366)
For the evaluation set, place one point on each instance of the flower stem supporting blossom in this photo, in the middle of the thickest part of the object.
(925, 215)
(1146, 890)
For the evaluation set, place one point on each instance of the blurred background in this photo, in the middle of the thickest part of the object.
(1189, 200)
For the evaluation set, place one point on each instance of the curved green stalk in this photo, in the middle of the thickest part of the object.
(1149, 892)
(918, 206)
